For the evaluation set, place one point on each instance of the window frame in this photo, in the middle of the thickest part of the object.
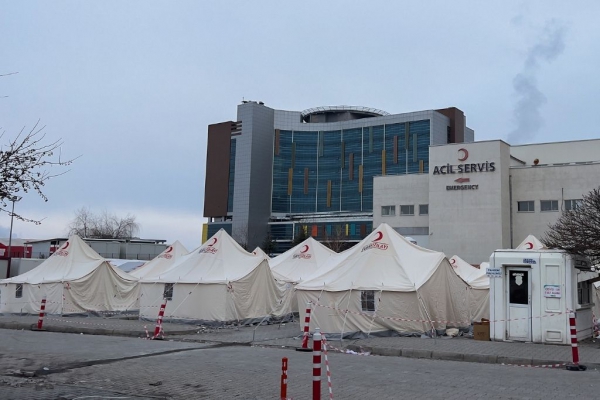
(168, 291)
(367, 298)
(571, 202)
(552, 203)
(584, 287)
(391, 211)
(411, 207)
(19, 291)
(420, 209)
(529, 203)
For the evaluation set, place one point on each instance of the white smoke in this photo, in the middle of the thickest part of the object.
(530, 99)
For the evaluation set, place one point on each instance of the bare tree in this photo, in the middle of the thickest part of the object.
(269, 245)
(240, 234)
(577, 231)
(23, 166)
(103, 226)
(301, 236)
(336, 241)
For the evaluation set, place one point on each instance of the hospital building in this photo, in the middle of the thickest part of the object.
(341, 170)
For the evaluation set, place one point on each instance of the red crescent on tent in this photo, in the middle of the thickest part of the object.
(66, 245)
(465, 154)
(452, 261)
(170, 249)
(254, 252)
(214, 242)
(379, 236)
(305, 249)
(529, 245)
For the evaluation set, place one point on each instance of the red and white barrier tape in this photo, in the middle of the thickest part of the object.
(537, 366)
(435, 321)
(327, 369)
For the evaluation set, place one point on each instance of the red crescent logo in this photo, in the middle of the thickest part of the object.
(214, 242)
(379, 236)
(305, 249)
(465, 154)
(529, 245)
(169, 249)
(452, 261)
(65, 246)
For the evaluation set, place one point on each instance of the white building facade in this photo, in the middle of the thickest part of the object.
(481, 196)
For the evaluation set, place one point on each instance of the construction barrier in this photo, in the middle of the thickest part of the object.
(284, 367)
(40, 322)
(158, 331)
(317, 364)
(575, 366)
(305, 336)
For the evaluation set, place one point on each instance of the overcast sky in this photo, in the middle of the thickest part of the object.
(130, 86)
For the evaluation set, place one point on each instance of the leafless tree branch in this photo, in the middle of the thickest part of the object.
(24, 164)
(578, 231)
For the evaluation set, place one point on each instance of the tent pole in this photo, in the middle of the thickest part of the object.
(345, 316)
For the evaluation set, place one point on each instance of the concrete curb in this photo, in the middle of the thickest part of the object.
(454, 356)
(16, 325)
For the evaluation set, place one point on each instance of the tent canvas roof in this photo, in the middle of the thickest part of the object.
(161, 263)
(384, 260)
(301, 261)
(220, 260)
(474, 277)
(531, 243)
(73, 260)
(260, 253)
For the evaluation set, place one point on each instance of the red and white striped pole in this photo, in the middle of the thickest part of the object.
(40, 322)
(306, 330)
(284, 367)
(317, 364)
(574, 350)
(161, 313)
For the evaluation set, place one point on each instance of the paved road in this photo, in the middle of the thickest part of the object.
(243, 372)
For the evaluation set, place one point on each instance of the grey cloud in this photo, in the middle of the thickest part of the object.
(527, 112)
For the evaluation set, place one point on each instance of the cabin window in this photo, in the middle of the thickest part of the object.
(367, 300)
(19, 291)
(168, 292)
(584, 293)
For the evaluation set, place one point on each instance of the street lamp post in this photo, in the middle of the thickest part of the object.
(12, 214)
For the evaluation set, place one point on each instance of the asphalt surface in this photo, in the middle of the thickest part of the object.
(73, 367)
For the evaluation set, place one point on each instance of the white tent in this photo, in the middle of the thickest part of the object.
(386, 284)
(161, 263)
(260, 253)
(531, 243)
(478, 287)
(216, 283)
(75, 279)
(300, 261)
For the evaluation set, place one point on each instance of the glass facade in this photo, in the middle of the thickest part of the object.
(332, 171)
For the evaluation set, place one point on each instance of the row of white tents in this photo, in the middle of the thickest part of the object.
(384, 283)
